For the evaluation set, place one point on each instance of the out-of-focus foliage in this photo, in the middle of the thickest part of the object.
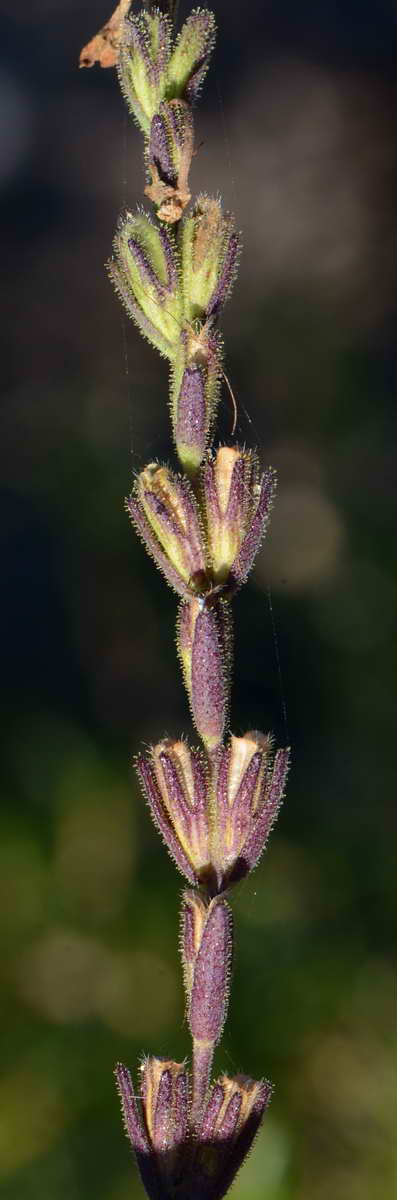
(303, 149)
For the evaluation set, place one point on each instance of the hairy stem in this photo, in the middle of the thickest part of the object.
(202, 1056)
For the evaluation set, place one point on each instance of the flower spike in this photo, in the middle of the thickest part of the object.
(214, 806)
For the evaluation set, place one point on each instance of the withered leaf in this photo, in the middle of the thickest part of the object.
(104, 47)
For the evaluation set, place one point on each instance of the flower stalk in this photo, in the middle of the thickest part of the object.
(214, 805)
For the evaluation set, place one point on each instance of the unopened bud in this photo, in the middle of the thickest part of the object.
(206, 943)
(169, 157)
(237, 500)
(194, 395)
(204, 646)
(144, 55)
(164, 511)
(145, 275)
(209, 246)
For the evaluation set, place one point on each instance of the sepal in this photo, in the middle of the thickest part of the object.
(237, 502)
(144, 272)
(158, 1128)
(191, 55)
(175, 782)
(209, 254)
(165, 514)
(145, 49)
(151, 71)
(231, 1120)
(250, 790)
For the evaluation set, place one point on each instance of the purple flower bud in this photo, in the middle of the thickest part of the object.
(231, 1119)
(169, 157)
(206, 943)
(165, 514)
(209, 248)
(159, 1140)
(190, 430)
(208, 694)
(204, 646)
(237, 501)
(194, 395)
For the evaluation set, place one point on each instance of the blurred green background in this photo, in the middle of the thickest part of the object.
(297, 127)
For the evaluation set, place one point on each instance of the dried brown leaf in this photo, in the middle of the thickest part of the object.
(104, 47)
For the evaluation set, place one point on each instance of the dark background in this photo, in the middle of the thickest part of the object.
(298, 125)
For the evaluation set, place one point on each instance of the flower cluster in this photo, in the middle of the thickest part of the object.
(214, 806)
(215, 822)
(210, 541)
(171, 1162)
